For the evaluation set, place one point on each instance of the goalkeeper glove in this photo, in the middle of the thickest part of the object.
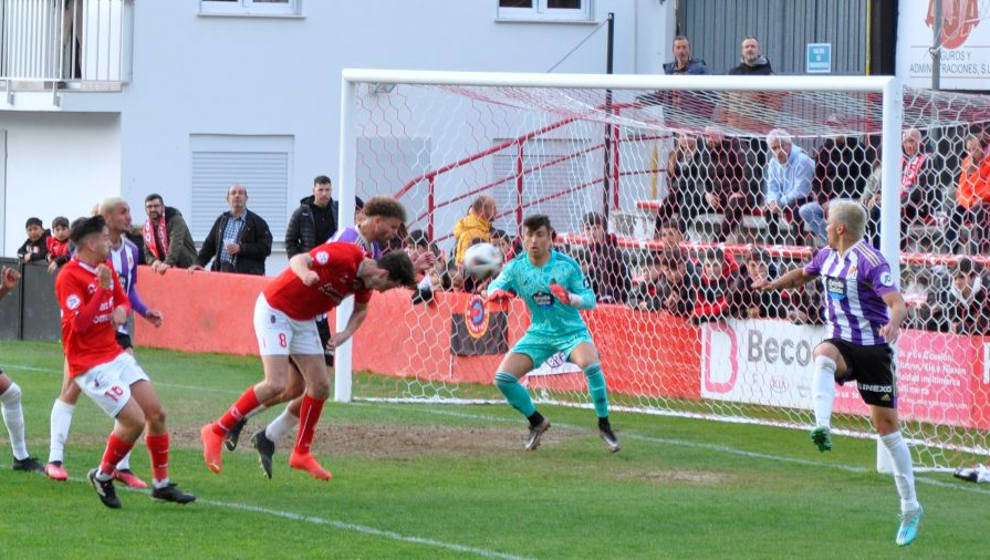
(566, 297)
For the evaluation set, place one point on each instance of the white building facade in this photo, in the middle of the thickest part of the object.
(184, 97)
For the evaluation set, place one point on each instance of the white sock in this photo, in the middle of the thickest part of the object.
(13, 417)
(281, 425)
(160, 482)
(823, 390)
(903, 470)
(60, 422)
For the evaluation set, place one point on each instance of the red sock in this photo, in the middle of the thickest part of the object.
(309, 415)
(116, 449)
(244, 406)
(158, 449)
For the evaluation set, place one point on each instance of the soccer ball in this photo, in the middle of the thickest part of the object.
(482, 261)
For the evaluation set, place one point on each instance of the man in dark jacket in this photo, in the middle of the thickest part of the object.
(239, 240)
(752, 63)
(314, 222)
(167, 241)
(683, 62)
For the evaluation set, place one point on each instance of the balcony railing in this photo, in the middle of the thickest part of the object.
(65, 43)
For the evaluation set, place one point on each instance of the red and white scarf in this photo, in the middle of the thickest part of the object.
(149, 230)
(910, 168)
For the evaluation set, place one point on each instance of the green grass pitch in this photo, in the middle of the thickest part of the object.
(444, 481)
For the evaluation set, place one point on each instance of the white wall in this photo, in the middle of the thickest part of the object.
(57, 164)
(266, 76)
(195, 74)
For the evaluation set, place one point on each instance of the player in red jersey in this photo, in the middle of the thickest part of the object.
(284, 314)
(93, 304)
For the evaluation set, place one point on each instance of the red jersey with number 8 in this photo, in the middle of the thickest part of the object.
(336, 263)
(94, 342)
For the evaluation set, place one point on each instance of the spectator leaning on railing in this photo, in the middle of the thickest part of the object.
(35, 248)
(239, 240)
(167, 241)
(972, 197)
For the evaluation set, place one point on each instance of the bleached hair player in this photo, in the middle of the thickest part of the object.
(865, 311)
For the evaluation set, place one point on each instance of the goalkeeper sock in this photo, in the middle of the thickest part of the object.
(596, 389)
(903, 469)
(823, 390)
(515, 394)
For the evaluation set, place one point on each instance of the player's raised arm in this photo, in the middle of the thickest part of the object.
(301, 266)
(793, 279)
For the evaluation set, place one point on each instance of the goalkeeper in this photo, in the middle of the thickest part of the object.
(553, 288)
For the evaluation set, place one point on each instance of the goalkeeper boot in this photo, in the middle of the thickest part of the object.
(610, 439)
(821, 436)
(908, 530)
(535, 433)
(234, 434)
(266, 449)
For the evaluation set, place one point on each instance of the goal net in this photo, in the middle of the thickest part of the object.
(674, 194)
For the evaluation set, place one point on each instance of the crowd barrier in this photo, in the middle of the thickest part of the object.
(30, 311)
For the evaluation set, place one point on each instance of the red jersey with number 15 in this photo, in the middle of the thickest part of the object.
(94, 342)
(337, 264)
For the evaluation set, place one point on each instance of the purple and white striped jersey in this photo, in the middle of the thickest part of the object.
(125, 259)
(350, 234)
(854, 285)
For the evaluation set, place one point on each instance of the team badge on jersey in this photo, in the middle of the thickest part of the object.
(72, 302)
(322, 257)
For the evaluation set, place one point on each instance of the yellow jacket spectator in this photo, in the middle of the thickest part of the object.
(477, 225)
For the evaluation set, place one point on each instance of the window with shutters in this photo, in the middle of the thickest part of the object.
(263, 164)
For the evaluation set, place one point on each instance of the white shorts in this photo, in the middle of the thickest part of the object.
(109, 384)
(280, 335)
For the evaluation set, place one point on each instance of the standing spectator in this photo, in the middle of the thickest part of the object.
(239, 240)
(314, 222)
(167, 241)
(752, 62)
(59, 247)
(788, 187)
(972, 197)
(607, 270)
(683, 62)
(726, 188)
(35, 248)
(684, 200)
(476, 225)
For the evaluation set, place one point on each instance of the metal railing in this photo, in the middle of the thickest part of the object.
(65, 42)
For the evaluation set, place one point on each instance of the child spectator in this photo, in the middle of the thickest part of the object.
(967, 310)
(761, 304)
(35, 248)
(721, 292)
(671, 284)
(58, 244)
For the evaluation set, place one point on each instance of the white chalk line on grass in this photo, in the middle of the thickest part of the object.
(337, 524)
(157, 383)
(652, 439)
(699, 445)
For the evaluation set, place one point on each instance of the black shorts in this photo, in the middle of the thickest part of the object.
(873, 369)
(323, 326)
(124, 340)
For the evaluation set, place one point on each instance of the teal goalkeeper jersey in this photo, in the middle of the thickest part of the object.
(548, 317)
